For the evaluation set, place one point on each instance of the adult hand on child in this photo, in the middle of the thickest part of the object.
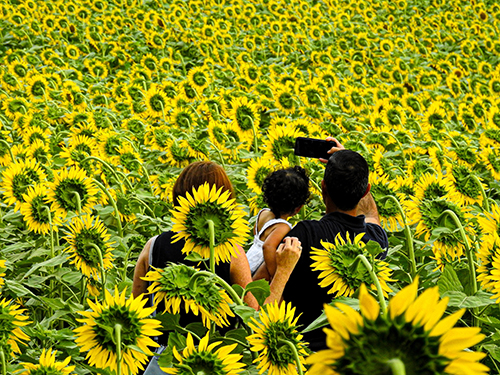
(333, 149)
(288, 253)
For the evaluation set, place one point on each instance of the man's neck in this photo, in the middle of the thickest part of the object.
(331, 207)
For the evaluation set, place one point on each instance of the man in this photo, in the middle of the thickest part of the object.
(350, 208)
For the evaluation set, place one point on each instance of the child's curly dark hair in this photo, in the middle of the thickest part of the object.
(285, 190)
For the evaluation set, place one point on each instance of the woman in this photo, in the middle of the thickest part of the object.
(160, 250)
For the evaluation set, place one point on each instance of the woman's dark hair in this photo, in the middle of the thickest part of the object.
(196, 174)
(346, 178)
(285, 190)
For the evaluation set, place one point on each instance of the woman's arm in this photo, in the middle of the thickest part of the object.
(140, 286)
(240, 274)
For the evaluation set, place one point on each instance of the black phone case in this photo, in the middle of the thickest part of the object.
(313, 148)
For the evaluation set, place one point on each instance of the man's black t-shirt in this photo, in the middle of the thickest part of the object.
(302, 289)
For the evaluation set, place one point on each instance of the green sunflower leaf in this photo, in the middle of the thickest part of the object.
(449, 281)
(373, 248)
(246, 313)
(461, 300)
(260, 290)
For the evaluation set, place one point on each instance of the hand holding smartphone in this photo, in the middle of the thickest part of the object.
(315, 148)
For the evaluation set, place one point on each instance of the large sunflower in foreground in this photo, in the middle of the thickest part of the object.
(275, 326)
(97, 334)
(204, 359)
(335, 261)
(175, 287)
(47, 365)
(72, 189)
(10, 329)
(190, 222)
(85, 232)
(412, 333)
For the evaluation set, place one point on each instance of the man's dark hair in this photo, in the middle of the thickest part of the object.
(346, 178)
(285, 190)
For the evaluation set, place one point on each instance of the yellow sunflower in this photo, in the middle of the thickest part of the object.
(488, 271)
(47, 365)
(178, 286)
(275, 332)
(430, 186)
(72, 190)
(467, 186)
(257, 171)
(490, 225)
(98, 335)
(36, 210)
(389, 213)
(426, 213)
(199, 78)
(85, 233)
(491, 158)
(246, 115)
(205, 359)
(284, 98)
(17, 178)
(10, 329)
(334, 262)
(411, 335)
(281, 142)
(190, 222)
(156, 101)
(162, 186)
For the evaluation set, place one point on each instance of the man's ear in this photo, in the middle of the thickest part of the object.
(324, 190)
(367, 190)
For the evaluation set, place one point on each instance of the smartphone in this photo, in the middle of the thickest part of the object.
(313, 148)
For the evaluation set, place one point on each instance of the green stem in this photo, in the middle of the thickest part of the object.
(4, 363)
(376, 281)
(52, 251)
(468, 248)
(151, 212)
(78, 202)
(470, 256)
(101, 263)
(408, 235)
(211, 229)
(182, 329)
(108, 167)
(9, 147)
(125, 261)
(147, 177)
(118, 338)
(293, 348)
(255, 143)
(397, 366)
(83, 290)
(218, 152)
(113, 203)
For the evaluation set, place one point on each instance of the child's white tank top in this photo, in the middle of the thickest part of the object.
(255, 254)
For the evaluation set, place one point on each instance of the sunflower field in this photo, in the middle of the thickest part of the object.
(103, 103)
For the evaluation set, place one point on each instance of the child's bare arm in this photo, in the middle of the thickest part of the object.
(270, 245)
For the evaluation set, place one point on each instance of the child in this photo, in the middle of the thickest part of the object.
(285, 192)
